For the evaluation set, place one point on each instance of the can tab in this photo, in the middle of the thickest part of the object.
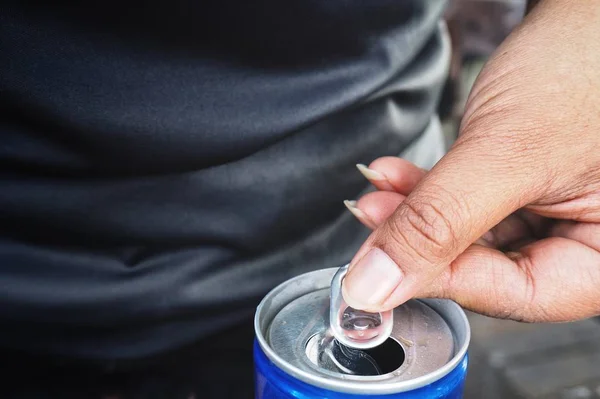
(352, 327)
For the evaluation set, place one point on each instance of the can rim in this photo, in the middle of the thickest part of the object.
(349, 386)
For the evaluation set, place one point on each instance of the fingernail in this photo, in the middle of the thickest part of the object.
(360, 215)
(375, 177)
(371, 281)
(370, 173)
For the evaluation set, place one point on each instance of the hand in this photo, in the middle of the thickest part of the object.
(508, 222)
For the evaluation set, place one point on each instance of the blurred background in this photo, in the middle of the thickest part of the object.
(477, 27)
(508, 359)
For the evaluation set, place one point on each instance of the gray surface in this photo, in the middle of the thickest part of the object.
(545, 361)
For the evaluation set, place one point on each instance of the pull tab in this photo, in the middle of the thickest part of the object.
(352, 327)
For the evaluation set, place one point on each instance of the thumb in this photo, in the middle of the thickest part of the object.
(467, 193)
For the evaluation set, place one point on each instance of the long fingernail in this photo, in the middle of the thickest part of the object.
(370, 174)
(371, 281)
(360, 215)
(375, 177)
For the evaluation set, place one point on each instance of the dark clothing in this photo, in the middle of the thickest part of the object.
(163, 164)
(217, 367)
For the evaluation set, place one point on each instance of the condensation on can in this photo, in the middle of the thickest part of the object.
(296, 356)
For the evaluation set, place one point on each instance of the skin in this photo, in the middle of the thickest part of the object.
(508, 222)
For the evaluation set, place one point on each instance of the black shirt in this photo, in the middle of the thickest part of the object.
(163, 164)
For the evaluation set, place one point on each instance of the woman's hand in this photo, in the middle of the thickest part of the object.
(508, 222)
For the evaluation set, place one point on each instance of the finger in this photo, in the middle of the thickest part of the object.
(374, 208)
(360, 215)
(584, 209)
(377, 206)
(451, 207)
(585, 233)
(552, 280)
(392, 174)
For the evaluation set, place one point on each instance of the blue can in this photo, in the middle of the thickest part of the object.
(296, 355)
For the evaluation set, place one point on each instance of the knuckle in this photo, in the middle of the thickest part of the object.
(425, 229)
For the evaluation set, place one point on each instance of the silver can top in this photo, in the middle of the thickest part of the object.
(428, 339)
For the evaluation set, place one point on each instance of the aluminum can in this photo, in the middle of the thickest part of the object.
(296, 356)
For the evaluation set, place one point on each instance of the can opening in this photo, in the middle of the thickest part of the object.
(389, 356)
(327, 353)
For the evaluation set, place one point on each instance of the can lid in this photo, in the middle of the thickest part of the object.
(428, 339)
